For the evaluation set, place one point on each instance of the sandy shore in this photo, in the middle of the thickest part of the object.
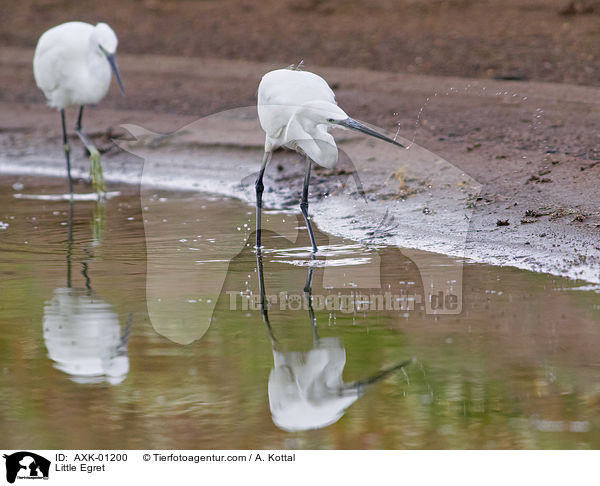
(485, 152)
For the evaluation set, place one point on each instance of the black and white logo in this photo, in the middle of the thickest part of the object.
(26, 465)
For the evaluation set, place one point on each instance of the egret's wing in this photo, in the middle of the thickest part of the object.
(45, 69)
(59, 51)
(285, 87)
(282, 91)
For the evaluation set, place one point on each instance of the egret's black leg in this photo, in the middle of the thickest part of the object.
(304, 204)
(96, 166)
(67, 149)
(309, 277)
(91, 148)
(264, 305)
(84, 272)
(80, 117)
(308, 299)
(259, 192)
(70, 243)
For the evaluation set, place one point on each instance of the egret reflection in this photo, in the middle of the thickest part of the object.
(82, 332)
(306, 389)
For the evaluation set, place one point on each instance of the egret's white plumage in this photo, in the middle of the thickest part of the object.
(72, 65)
(83, 337)
(306, 390)
(296, 109)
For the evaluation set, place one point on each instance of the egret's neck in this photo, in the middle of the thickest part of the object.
(312, 139)
(94, 54)
(98, 66)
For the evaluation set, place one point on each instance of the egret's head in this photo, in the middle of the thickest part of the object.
(330, 114)
(323, 112)
(107, 42)
(106, 38)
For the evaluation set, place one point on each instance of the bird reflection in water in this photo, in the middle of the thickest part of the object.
(82, 332)
(306, 389)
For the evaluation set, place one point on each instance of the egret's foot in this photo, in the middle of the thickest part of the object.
(96, 173)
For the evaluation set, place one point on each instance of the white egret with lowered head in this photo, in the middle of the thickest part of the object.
(296, 109)
(72, 65)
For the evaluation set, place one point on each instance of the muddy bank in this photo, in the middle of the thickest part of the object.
(508, 175)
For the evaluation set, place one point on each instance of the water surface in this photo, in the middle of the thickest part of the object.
(106, 343)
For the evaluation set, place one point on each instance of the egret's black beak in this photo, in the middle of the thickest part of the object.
(381, 375)
(359, 127)
(113, 64)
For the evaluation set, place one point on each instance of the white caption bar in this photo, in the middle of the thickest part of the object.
(149, 467)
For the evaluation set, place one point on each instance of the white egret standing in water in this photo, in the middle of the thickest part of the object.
(296, 110)
(72, 65)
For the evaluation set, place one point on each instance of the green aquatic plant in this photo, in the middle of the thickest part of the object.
(96, 174)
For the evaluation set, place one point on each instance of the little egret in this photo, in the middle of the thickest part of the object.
(296, 109)
(72, 65)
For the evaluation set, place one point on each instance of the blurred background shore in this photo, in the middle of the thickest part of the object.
(538, 40)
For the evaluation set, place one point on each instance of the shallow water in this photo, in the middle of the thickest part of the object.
(138, 324)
